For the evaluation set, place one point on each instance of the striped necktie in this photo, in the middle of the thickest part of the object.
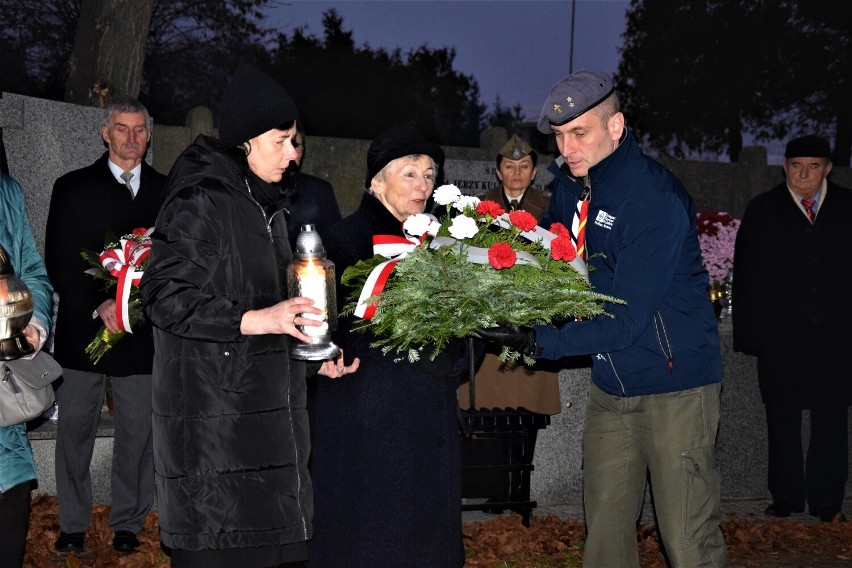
(581, 212)
(808, 204)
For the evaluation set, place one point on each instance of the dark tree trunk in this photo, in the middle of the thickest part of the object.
(843, 134)
(109, 50)
(735, 139)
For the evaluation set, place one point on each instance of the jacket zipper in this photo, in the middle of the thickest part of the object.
(267, 219)
(298, 461)
(615, 372)
(666, 349)
(268, 222)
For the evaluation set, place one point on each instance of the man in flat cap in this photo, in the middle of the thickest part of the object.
(792, 260)
(653, 403)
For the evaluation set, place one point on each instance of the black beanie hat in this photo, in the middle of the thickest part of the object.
(395, 143)
(253, 103)
(809, 146)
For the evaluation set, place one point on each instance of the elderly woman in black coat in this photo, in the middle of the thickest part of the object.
(231, 440)
(386, 464)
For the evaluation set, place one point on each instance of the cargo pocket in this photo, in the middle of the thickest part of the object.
(700, 475)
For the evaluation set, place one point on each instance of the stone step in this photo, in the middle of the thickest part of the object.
(42, 435)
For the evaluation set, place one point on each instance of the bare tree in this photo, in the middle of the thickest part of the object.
(109, 50)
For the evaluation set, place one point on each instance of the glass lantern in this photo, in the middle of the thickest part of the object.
(311, 275)
(16, 309)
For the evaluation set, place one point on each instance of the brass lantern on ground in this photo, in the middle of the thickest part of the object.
(311, 275)
(16, 309)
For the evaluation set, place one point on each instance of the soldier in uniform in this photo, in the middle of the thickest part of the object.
(516, 165)
(513, 385)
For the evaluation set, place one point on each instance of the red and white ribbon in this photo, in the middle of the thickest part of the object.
(124, 262)
(391, 247)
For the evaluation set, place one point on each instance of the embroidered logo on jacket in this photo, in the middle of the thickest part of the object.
(604, 220)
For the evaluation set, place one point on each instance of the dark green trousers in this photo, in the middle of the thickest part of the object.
(672, 437)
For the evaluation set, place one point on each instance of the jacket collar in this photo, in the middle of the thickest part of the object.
(607, 169)
(382, 220)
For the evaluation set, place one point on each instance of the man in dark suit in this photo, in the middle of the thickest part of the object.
(313, 200)
(792, 310)
(114, 195)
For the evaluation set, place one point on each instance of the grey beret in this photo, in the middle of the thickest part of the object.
(572, 96)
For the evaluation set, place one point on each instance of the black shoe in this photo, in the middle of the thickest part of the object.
(828, 516)
(125, 541)
(493, 509)
(778, 509)
(70, 542)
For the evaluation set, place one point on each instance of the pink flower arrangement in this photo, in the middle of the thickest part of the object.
(717, 234)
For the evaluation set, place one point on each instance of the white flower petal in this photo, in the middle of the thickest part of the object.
(446, 194)
(466, 201)
(418, 225)
(463, 227)
(433, 228)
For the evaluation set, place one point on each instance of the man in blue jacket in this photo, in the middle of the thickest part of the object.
(654, 399)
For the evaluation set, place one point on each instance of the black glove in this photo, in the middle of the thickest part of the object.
(521, 340)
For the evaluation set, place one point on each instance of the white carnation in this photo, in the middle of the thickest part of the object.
(434, 227)
(420, 224)
(466, 201)
(447, 194)
(463, 227)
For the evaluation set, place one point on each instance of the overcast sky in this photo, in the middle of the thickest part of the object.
(515, 49)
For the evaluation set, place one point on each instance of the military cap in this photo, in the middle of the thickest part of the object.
(809, 146)
(572, 96)
(515, 148)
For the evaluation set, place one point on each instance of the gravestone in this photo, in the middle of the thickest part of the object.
(475, 177)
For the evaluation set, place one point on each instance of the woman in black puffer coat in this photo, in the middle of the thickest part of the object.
(231, 440)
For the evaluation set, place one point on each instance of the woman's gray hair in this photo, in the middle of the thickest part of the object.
(123, 107)
(382, 175)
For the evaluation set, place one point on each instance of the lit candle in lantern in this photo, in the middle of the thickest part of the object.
(312, 284)
(311, 275)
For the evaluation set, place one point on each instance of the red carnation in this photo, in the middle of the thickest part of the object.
(561, 248)
(490, 208)
(559, 230)
(501, 255)
(139, 231)
(522, 220)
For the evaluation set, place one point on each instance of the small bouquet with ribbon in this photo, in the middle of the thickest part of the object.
(481, 268)
(121, 265)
